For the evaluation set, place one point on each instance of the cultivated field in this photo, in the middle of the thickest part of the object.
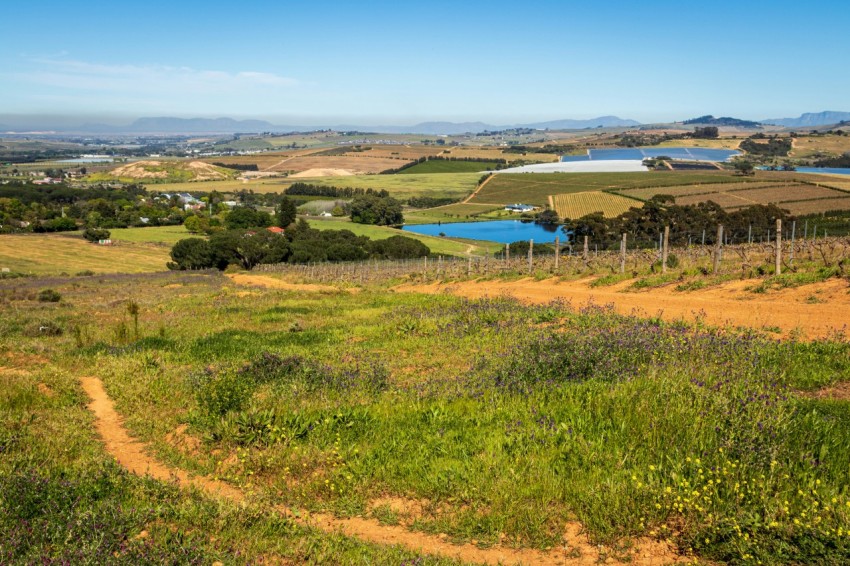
(815, 206)
(52, 254)
(535, 188)
(314, 165)
(438, 185)
(443, 166)
(576, 205)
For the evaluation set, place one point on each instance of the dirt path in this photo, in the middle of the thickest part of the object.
(816, 310)
(274, 283)
(481, 186)
(133, 455)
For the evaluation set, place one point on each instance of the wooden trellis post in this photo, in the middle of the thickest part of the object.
(665, 249)
(530, 256)
(623, 254)
(778, 246)
(718, 248)
(557, 251)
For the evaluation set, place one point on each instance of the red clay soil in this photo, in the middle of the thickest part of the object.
(816, 310)
(577, 549)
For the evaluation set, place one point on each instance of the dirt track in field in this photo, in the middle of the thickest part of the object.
(134, 456)
(815, 310)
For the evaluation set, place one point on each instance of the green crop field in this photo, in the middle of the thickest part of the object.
(576, 205)
(444, 246)
(52, 254)
(313, 419)
(443, 166)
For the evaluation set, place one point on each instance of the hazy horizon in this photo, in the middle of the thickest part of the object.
(400, 64)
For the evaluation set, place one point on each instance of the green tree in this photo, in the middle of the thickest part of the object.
(286, 212)
(192, 253)
(372, 209)
(744, 167)
(192, 224)
(244, 217)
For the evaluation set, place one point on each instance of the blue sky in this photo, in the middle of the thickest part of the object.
(311, 63)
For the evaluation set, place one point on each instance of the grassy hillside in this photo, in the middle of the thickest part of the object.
(52, 254)
(485, 421)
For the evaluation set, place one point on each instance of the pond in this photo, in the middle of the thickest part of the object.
(502, 231)
(825, 170)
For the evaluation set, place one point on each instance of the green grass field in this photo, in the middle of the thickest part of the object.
(478, 421)
(444, 246)
(52, 254)
(441, 166)
(154, 234)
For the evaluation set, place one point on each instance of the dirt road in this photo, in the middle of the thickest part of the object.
(814, 310)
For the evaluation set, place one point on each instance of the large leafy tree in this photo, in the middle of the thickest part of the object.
(372, 209)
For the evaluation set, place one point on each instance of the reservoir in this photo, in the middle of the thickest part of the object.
(502, 231)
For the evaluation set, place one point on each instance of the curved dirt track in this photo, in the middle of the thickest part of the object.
(816, 310)
(132, 455)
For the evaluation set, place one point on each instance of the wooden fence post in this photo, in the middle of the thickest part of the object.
(507, 253)
(557, 251)
(585, 252)
(531, 256)
(469, 266)
(665, 249)
(778, 246)
(793, 234)
(718, 248)
(623, 254)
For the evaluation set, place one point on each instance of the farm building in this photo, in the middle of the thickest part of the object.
(519, 207)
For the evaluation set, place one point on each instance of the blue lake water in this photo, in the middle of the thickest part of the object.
(829, 170)
(640, 153)
(502, 231)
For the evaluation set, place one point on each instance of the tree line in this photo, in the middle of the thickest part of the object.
(687, 223)
(307, 189)
(299, 244)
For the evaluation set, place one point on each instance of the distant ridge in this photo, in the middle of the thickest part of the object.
(825, 118)
(710, 120)
(174, 126)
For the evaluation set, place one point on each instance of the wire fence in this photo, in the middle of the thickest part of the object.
(777, 255)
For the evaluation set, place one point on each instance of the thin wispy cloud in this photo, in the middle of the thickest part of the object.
(184, 88)
(153, 79)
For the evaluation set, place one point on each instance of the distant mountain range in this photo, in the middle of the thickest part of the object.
(808, 119)
(198, 126)
(174, 126)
